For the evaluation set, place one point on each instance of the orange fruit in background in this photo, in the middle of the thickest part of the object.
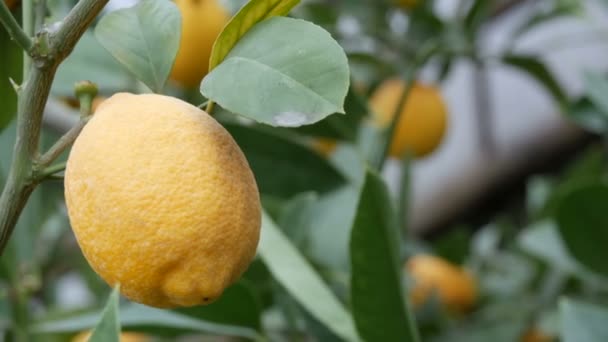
(162, 200)
(423, 120)
(124, 337)
(202, 22)
(454, 286)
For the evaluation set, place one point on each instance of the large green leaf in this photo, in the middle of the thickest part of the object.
(283, 72)
(281, 166)
(582, 220)
(90, 61)
(380, 309)
(582, 322)
(144, 38)
(252, 13)
(145, 318)
(10, 67)
(108, 328)
(298, 277)
(537, 70)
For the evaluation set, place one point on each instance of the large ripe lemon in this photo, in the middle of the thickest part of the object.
(162, 200)
(423, 120)
(454, 286)
(124, 337)
(202, 22)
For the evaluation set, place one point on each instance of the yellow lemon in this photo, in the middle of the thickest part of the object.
(454, 287)
(162, 200)
(423, 120)
(124, 337)
(202, 22)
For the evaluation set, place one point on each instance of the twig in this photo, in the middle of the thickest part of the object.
(40, 14)
(62, 144)
(20, 181)
(51, 171)
(14, 30)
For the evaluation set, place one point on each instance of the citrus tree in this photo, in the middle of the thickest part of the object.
(218, 164)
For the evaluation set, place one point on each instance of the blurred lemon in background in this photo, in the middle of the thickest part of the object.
(423, 120)
(455, 287)
(202, 22)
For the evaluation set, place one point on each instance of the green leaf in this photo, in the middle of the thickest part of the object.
(538, 71)
(238, 306)
(379, 306)
(252, 13)
(582, 322)
(298, 277)
(90, 61)
(10, 67)
(108, 328)
(145, 318)
(582, 222)
(281, 166)
(596, 86)
(283, 72)
(144, 38)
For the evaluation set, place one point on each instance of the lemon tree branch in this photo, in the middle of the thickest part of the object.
(62, 144)
(13, 28)
(49, 49)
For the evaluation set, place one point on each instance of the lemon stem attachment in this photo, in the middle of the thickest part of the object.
(85, 92)
(209, 108)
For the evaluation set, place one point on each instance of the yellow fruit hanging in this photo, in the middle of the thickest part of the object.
(162, 200)
(202, 22)
(423, 120)
(454, 287)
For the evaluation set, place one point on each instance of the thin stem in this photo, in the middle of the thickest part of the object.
(40, 14)
(75, 24)
(61, 145)
(32, 100)
(51, 171)
(27, 19)
(14, 30)
(409, 77)
(209, 108)
(403, 202)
